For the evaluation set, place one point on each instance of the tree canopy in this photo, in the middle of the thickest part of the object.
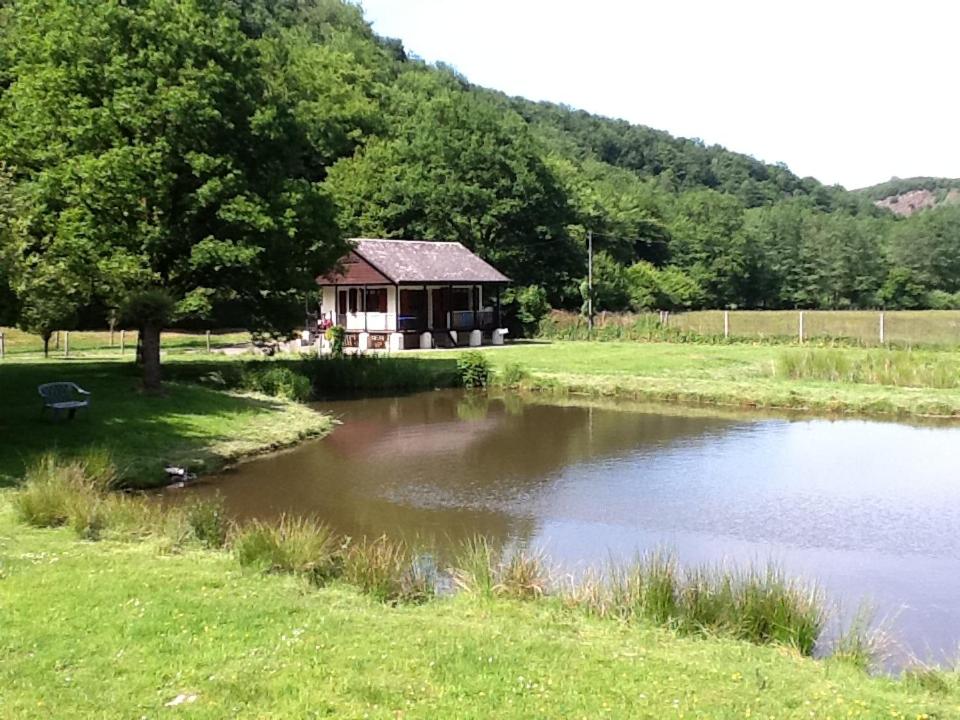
(220, 151)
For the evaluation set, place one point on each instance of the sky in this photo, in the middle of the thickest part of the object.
(849, 91)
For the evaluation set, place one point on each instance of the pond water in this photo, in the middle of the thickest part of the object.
(870, 510)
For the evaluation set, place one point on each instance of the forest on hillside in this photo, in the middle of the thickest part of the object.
(220, 151)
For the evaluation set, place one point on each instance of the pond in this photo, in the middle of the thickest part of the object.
(869, 510)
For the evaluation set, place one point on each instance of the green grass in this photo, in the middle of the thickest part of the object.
(201, 427)
(736, 375)
(118, 630)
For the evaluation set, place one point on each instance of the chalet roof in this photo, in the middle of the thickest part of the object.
(420, 261)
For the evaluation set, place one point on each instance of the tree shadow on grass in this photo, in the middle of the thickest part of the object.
(187, 424)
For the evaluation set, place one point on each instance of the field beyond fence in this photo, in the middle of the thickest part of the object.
(861, 327)
(17, 343)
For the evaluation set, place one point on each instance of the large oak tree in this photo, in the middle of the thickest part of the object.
(158, 144)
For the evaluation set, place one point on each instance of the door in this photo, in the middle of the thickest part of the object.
(439, 319)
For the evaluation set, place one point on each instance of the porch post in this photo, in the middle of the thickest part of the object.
(396, 308)
(363, 304)
(499, 320)
(449, 303)
(336, 305)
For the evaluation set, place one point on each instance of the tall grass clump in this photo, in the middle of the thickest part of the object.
(902, 368)
(293, 545)
(389, 571)
(763, 607)
(475, 564)
(862, 643)
(513, 375)
(647, 588)
(481, 570)
(523, 575)
(58, 491)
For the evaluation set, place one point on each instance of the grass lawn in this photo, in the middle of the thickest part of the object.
(187, 424)
(119, 630)
(737, 375)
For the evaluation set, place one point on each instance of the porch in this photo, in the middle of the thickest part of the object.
(452, 315)
(413, 294)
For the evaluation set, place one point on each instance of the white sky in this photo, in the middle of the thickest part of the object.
(849, 91)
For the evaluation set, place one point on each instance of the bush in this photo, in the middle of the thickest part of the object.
(336, 334)
(526, 306)
(474, 369)
(279, 382)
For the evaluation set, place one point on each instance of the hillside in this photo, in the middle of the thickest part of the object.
(364, 140)
(904, 197)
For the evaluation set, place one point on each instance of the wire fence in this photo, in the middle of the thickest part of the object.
(862, 327)
(16, 343)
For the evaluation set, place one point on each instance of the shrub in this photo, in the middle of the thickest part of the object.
(474, 369)
(280, 382)
(526, 306)
(208, 522)
(388, 571)
(336, 334)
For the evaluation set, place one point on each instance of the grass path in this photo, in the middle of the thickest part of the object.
(186, 424)
(125, 629)
(735, 375)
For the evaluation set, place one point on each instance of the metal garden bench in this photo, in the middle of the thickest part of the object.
(63, 397)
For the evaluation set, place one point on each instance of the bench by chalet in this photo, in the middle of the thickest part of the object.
(65, 397)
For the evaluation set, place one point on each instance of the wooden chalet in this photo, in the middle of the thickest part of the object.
(400, 294)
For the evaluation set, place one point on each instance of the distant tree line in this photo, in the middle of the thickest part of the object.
(179, 161)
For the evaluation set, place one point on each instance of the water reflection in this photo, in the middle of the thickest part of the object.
(870, 509)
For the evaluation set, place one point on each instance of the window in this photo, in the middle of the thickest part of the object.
(376, 300)
(354, 294)
(460, 299)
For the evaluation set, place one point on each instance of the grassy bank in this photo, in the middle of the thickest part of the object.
(189, 424)
(121, 629)
(830, 380)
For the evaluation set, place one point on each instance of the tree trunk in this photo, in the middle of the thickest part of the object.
(46, 345)
(150, 347)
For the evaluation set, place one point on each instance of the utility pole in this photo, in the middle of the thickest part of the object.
(590, 282)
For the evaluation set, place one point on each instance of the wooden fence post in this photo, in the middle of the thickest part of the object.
(882, 328)
(122, 334)
(66, 344)
(726, 323)
(3, 347)
(801, 327)
(208, 342)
